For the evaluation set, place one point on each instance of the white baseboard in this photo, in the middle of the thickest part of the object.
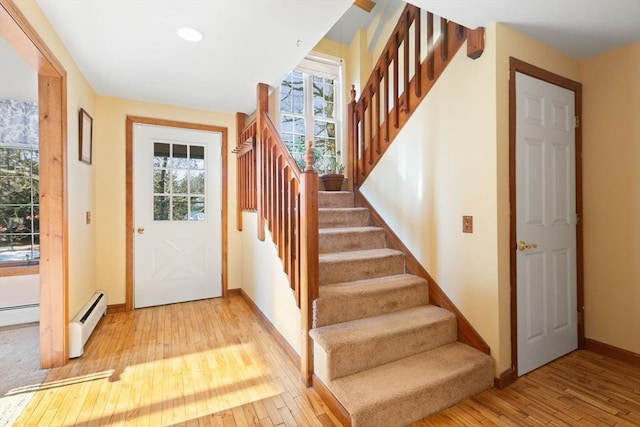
(18, 315)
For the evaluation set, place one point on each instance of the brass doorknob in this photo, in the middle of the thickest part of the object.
(522, 245)
(140, 230)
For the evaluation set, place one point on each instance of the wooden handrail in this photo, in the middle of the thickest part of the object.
(398, 84)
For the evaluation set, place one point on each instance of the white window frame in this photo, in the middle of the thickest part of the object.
(321, 65)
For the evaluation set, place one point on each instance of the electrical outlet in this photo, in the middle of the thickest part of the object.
(467, 224)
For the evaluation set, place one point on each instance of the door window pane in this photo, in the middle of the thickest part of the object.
(178, 173)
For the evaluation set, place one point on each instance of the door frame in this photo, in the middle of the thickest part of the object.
(52, 112)
(516, 65)
(129, 230)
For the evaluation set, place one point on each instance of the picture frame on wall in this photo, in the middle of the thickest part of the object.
(86, 137)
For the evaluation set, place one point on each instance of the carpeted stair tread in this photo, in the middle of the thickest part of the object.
(342, 217)
(357, 265)
(344, 239)
(410, 389)
(335, 199)
(363, 344)
(342, 302)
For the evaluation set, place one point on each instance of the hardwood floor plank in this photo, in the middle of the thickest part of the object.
(212, 363)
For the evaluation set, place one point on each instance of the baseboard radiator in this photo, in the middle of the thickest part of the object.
(81, 326)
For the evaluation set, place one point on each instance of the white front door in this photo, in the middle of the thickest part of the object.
(545, 222)
(177, 215)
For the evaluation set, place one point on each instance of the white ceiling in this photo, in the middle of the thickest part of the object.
(129, 48)
(579, 28)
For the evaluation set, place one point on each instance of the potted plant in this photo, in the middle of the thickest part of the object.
(332, 175)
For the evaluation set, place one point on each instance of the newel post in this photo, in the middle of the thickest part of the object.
(351, 140)
(262, 107)
(309, 261)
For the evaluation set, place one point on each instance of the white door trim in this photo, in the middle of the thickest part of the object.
(129, 230)
(516, 65)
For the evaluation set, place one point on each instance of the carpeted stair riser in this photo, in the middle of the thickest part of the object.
(342, 217)
(363, 344)
(342, 302)
(358, 265)
(373, 324)
(410, 389)
(350, 239)
(335, 199)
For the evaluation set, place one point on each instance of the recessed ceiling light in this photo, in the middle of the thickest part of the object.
(189, 34)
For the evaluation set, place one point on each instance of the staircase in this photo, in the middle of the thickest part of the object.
(387, 355)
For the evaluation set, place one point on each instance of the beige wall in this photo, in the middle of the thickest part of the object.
(80, 176)
(264, 281)
(454, 161)
(442, 166)
(109, 162)
(611, 160)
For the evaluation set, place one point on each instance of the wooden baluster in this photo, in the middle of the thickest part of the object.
(252, 180)
(444, 45)
(359, 141)
(396, 95)
(240, 175)
(279, 206)
(406, 62)
(430, 50)
(377, 108)
(459, 32)
(417, 50)
(386, 115)
(370, 118)
(289, 259)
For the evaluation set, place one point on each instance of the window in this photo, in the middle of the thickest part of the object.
(19, 183)
(309, 111)
(178, 182)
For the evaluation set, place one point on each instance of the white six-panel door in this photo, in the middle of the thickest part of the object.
(177, 213)
(546, 222)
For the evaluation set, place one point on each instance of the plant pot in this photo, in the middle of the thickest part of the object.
(332, 181)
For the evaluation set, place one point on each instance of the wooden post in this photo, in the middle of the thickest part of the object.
(475, 43)
(308, 266)
(261, 108)
(351, 141)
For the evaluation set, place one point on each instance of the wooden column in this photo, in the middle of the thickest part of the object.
(261, 108)
(308, 262)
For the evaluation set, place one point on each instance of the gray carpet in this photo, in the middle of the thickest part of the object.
(21, 375)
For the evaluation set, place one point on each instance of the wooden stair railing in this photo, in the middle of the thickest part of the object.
(270, 181)
(399, 82)
(286, 199)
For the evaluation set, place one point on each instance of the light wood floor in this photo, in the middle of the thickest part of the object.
(212, 363)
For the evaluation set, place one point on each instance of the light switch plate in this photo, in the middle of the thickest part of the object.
(467, 224)
(88, 217)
